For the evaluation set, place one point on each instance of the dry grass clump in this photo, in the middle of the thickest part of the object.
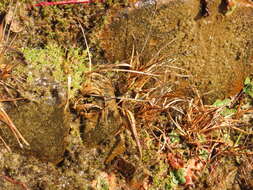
(148, 102)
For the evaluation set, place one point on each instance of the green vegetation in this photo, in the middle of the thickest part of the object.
(166, 178)
(224, 103)
(53, 58)
(102, 184)
(160, 178)
(220, 103)
(248, 88)
(180, 175)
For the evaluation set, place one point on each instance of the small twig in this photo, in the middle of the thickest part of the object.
(86, 43)
(119, 98)
(15, 182)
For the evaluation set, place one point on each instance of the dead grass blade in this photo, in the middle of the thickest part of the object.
(87, 46)
(5, 144)
(134, 71)
(132, 123)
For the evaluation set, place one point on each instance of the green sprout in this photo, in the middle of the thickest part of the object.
(171, 181)
(248, 87)
(220, 103)
(224, 103)
(174, 137)
(180, 175)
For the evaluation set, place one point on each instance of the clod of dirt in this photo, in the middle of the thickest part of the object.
(212, 53)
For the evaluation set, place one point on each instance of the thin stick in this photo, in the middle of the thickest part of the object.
(120, 98)
(5, 120)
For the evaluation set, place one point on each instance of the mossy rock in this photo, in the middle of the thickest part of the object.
(44, 126)
(41, 117)
(213, 52)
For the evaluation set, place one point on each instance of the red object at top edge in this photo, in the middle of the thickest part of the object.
(64, 2)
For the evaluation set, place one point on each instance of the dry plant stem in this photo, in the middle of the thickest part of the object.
(133, 71)
(132, 123)
(5, 120)
(88, 49)
(68, 93)
(5, 144)
(15, 182)
(1, 34)
(132, 56)
(12, 17)
(183, 133)
(11, 99)
(112, 68)
(242, 131)
(117, 98)
(165, 143)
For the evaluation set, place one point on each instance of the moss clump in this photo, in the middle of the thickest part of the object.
(57, 63)
(61, 24)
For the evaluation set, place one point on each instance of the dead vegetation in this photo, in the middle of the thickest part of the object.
(148, 103)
